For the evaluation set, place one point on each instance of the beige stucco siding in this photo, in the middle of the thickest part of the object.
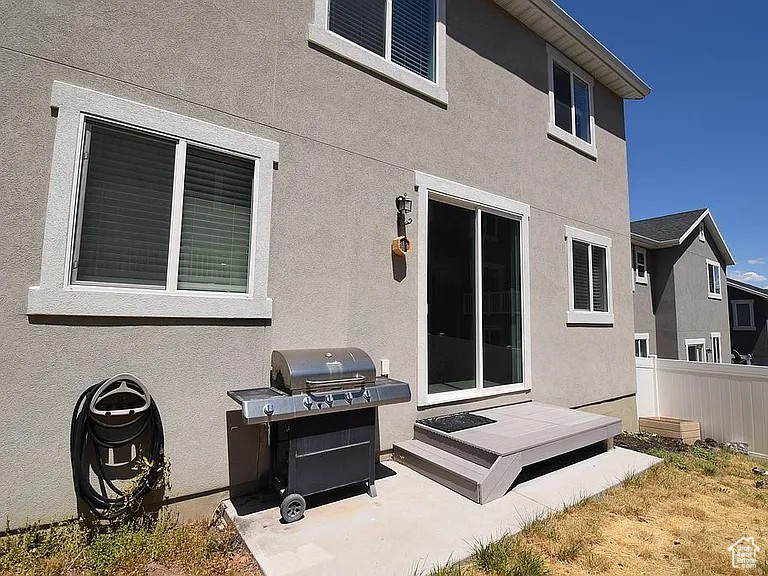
(349, 143)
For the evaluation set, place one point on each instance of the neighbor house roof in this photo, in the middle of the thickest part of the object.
(762, 292)
(553, 24)
(674, 229)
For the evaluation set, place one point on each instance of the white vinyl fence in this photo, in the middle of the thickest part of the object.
(729, 400)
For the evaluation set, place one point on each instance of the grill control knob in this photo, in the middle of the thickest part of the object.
(367, 395)
(348, 396)
(308, 402)
(269, 409)
(329, 399)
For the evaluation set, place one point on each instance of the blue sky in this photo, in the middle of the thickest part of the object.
(701, 138)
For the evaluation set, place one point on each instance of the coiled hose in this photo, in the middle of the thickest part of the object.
(87, 438)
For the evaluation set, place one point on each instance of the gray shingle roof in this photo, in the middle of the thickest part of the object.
(666, 228)
(739, 284)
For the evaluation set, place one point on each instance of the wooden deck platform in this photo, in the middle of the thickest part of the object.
(483, 462)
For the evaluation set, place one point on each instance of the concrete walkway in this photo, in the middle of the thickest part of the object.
(414, 523)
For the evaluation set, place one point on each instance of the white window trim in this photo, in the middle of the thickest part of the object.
(587, 148)
(428, 186)
(702, 237)
(719, 337)
(696, 342)
(319, 34)
(647, 337)
(584, 316)
(57, 296)
(644, 278)
(715, 295)
(735, 326)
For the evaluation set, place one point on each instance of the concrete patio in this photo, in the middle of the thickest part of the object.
(416, 523)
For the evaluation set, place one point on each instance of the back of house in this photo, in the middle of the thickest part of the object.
(189, 187)
(680, 303)
(748, 307)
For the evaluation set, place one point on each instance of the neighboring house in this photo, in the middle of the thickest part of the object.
(185, 190)
(678, 270)
(748, 306)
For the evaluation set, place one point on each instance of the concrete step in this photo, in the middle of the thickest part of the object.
(451, 444)
(450, 470)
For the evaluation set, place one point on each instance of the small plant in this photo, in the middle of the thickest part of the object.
(526, 562)
(493, 556)
(447, 569)
(569, 552)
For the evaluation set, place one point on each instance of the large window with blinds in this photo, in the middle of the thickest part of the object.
(161, 213)
(589, 268)
(403, 40)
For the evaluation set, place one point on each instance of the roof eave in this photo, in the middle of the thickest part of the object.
(743, 288)
(706, 217)
(588, 52)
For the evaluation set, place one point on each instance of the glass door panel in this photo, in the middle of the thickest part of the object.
(451, 300)
(502, 310)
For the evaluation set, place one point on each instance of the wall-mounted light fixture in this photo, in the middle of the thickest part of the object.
(402, 245)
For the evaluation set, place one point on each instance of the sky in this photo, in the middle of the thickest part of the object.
(701, 138)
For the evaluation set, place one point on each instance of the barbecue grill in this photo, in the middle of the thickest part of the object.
(320, 410)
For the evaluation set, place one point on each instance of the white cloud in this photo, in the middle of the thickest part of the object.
(754, 261)
(749, 277)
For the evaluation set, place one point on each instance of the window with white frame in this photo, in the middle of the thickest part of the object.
(694, 349)
(714, 289)
(169, 216)
(641, 345)
(401, 39)
(743, 314)
(589, 277)
(571, 108)
(717, 348)
(702, 237)
(641, 269)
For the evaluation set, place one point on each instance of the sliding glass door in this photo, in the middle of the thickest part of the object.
(474, 308)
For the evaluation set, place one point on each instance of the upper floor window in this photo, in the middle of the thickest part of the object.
(743, 314)
(589, 268)
(714, 289)
(570, 94)
(168, 215)
(401, 39)
(641, 269)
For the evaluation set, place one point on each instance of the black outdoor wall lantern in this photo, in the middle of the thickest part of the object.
(402, 245)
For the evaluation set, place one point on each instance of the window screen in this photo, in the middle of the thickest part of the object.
(561, 79)
(363, 22)
(125, 207)
(413, 35)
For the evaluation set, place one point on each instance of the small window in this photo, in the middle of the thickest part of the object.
(717, 348)
(695, 349)
(641, 270)
(403, 40)
(589, 277)
(641, 345)
(743, 314)
(713, 280)
(570, 89)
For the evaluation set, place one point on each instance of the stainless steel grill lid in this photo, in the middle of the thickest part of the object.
(319, 368)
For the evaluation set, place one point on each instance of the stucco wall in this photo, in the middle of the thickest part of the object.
(645, 321)
(663, 301)
(349, 143)
(755, 341)
(697, 314)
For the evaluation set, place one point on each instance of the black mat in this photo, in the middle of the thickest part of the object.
(456, 422)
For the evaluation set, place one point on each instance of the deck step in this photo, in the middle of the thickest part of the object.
(451, 444)
(450, 470)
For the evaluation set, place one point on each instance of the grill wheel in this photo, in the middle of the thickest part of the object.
(292, 508)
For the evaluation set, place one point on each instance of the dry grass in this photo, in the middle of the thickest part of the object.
(678, 518)
(160, 547)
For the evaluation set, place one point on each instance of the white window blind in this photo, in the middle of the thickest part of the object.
(363, 22)
(215, 222)
(413, 36)
(125, 207)
(411, 42)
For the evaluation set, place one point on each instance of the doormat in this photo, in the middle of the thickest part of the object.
(456, 422)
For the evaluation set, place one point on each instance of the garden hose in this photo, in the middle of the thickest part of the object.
(92, 434)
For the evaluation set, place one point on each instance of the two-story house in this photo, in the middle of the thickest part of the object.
(678, 271)
(186, 188)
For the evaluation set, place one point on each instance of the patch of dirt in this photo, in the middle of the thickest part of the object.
(647, 443)
(157, 569)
